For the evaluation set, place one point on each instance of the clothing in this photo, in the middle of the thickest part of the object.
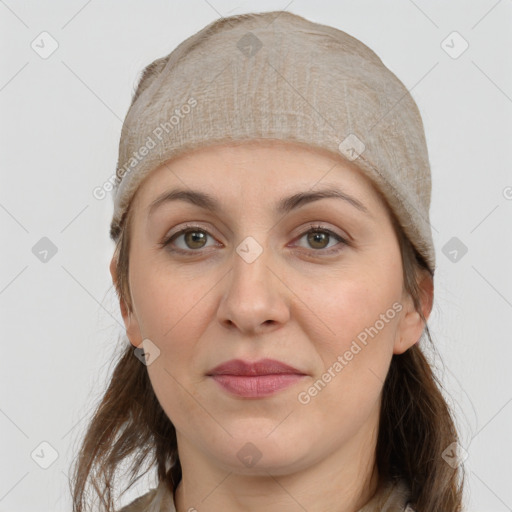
(277, 75)
(392, 497)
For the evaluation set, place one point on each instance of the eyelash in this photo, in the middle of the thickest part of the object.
(313, 228)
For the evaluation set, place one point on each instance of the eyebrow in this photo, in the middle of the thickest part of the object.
(283, 206)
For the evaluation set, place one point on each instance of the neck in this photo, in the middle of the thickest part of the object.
(344, 482)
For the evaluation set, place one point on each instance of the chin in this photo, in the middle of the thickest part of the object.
(261, 449)
(256, 460)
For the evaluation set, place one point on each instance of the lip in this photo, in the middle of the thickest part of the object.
(255, 379)
(254, 368)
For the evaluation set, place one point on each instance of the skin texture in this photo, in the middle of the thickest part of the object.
(295, 303)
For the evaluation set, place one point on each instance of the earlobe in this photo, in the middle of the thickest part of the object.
(409, 331)
(130, 323)
(411, 324)
(427, 294)
(113, 273)
(132, 328)
(113, 270)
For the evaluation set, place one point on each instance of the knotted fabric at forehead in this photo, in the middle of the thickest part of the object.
(276, 75)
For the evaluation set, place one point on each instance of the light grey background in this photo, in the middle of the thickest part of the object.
(61, 119)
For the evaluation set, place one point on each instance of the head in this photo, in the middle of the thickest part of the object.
(339, 288)
(322, 300)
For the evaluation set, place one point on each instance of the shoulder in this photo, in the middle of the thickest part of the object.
(141, 503)
(391, 496)
(398, 497)
(156, 500)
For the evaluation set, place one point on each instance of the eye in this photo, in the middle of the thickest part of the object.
(194, 238)
(318, 237)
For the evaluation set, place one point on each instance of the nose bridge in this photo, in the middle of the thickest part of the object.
(253, 296)
(251, 277)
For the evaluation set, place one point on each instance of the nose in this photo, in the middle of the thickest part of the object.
(255, 299)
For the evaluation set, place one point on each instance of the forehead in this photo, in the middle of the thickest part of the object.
(263, 170)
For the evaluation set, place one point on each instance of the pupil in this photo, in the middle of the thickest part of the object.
(318, 237)
(196, 236)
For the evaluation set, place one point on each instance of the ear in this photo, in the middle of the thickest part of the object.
(130, 320)
(411, 325)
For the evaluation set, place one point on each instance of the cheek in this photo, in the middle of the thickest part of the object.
(357, 311)
(171, 314)
(172, 310)
(162, 294)
(356, 350)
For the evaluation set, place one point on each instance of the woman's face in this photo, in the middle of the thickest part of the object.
(267, 269)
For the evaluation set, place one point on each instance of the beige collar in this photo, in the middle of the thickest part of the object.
(390, 498)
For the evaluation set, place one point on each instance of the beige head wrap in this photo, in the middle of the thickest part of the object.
(277, 75)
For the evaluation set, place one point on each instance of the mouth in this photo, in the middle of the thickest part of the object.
(255, 379)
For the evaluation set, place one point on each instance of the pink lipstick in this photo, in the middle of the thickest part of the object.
(255, 379)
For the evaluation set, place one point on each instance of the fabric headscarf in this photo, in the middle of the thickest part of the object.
(277, 75)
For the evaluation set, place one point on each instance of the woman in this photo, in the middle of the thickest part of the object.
(274, 264)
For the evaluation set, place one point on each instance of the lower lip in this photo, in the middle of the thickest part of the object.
(256, 386)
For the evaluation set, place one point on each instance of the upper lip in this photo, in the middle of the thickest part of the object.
(254, 368)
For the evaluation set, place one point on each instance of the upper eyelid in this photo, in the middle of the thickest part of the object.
(312, 227)
(188, 227)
